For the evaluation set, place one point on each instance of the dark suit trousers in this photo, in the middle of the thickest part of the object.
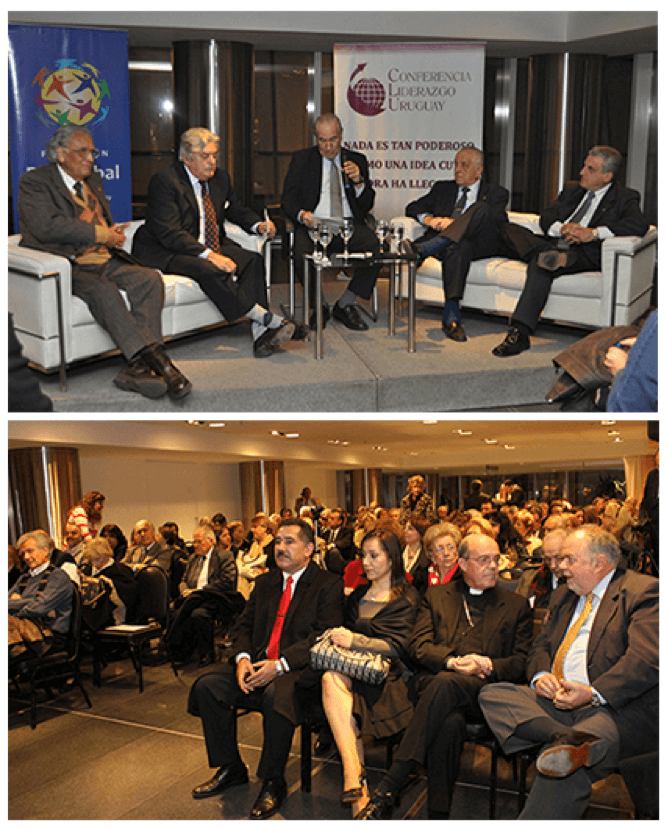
(234, 298)
(99, 287)
(436, 734)
(213, 697)
(363, 239)
(473, 235)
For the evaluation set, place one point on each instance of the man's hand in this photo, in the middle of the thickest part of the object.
(475, 664)
(547, 686)
(308, 219)
(116, 235)
(572, 695)
(223, 262)
(615, 358)
(352, 171)
(575, 234)
(438, 223)
(267, 228)
(263, 672)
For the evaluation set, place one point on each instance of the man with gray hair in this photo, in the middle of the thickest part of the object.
(574, 227)
(184, 233)
(593, 672)
(63, 210)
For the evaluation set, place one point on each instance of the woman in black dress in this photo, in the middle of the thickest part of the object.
(378, 617)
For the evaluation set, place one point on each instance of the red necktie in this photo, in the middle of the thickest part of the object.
(275, 639)
(210, 223)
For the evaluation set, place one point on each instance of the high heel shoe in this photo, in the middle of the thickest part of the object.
(354, 794)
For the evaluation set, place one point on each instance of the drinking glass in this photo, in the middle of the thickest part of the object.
(325, 239)
(314, 233)
(346, 234)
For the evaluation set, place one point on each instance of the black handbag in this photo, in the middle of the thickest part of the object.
(361, 665)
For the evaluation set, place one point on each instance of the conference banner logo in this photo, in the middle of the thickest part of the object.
(73, 93)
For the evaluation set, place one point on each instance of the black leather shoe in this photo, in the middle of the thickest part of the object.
(378, 808)
(568, 752)
(229, 776)
(515, 343)
(325, 318)
(138, 377)
(455, 331)
(178, 385)
(350, 317)
(272, 795)
(272, 339)
(301, 331)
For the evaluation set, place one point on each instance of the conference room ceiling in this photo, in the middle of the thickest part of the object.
(457, 446)
(505, 33)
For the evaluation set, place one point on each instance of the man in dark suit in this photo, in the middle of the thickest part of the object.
(290, 606)
(339, 541)
(463, 220)
(469, 633)
(149, 551)
(593, 697)
(63, 210)
(575, 225)
(207, 591)
(330, 181)
(184, 233)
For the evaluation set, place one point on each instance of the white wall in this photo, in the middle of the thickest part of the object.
(160, 491)
(321, 481)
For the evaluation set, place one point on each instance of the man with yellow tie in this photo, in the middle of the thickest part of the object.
(593, 697)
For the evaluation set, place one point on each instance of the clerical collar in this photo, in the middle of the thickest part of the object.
(475, 592)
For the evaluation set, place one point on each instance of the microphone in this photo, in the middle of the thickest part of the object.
(347, 184)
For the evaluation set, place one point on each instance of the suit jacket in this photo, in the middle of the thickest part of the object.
(301, 188)
(317, 604)
(124, 583)
(507, 630)
(155, 555)
(622, 655)
(49, 216)
(221, 571)
(172, 223)
(343, 552)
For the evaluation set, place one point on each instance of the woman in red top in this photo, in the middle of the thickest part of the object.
(442, 543)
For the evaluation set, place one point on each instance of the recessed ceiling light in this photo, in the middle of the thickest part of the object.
(509, 447)
(430, 422)
(217, 424)
(490, 440)
(464, 432)
(292, 435)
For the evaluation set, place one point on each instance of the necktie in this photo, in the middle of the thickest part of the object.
(210, 223)
(584, 207)
(273, 650)
(78, 189)
(569, 639)
(461, 203)
(335, 200)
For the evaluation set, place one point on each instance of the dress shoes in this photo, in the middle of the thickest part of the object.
(301, 331)
(229, 776)
(553, 260)
(138, 377)
(455, 331)
(178, 385)
(350, 317)
(272, 339)
(515, 343)
(325, 318)
(272, 795)
(378, 808)
(567, 753)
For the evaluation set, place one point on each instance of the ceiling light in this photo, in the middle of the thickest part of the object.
(216, 424)
(430, 422)
(490, 440)
(464, 432)
(509, 447)
(292, 435)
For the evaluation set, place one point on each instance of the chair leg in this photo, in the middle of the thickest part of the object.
(492, 781)
(525, 761)
(306, 730)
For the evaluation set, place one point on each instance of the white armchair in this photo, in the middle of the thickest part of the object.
(617, 295)
(56, 328)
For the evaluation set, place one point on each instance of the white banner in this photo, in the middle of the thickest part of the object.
(409, 107)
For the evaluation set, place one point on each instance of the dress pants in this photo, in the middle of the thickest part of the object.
(99, 287)
(363, 239)
(473, 235)
(233, 294)
(436, 734)
(213, 697)
(521, 719)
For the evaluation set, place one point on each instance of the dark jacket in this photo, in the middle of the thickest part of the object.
(221, 573)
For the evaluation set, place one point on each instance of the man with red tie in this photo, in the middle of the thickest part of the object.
(290, 606)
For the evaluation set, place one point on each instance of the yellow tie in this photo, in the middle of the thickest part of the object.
(569, 639)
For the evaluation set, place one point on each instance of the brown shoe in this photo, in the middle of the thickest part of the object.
(138, 377)
(178, 385)
(566, 754)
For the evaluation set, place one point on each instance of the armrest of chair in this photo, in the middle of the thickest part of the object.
(249, 241)
(31, 263)
(628, 263)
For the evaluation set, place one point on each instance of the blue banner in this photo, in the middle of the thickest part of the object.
(71, 76)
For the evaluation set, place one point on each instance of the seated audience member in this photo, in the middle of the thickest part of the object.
(74, 542)
(255, 561)
(537, 584)
(40, 601)
(416, 561)
(218, 522)
(378, 617)
(329, 181)
(574, 227)
(441, 543)
(208, 591)
(289, 608)
(87, 513)
(117, 541)
(184, 233)
(469, 633)
(97, 553)
(339, 541)
(416, 502)
(238, 537)
(463, 218)
(148, 551)
(635, 385)
(593, 694)
(476, 498)
(508, 539)
(63, 209)
(524, 524)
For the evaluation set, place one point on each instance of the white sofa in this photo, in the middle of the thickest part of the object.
(56, 328)
(617, 295)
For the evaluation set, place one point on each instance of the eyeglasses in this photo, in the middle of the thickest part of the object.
(84, 151)
(486, 560)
